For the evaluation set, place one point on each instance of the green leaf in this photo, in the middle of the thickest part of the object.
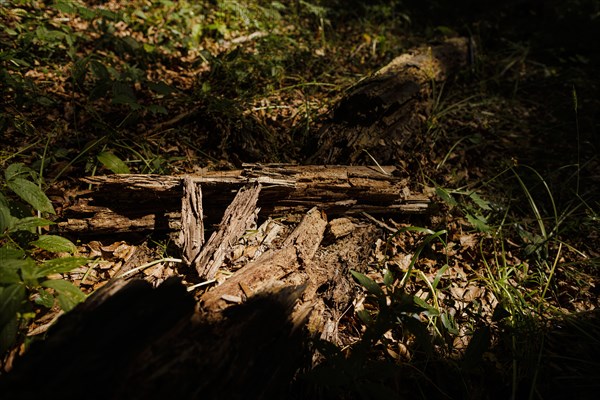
(3, 200)
(124, 90)
(448, 323)
(369, 284)
(483, 204)
(99, 90)
(32, 194)
(99, 70)
(156, 109)
(124, 99)
(278, 6)
(148, 48)
(11, 302)
(421, 303)
(67, 8)
(160, 88)
(478, 222)
(439, 275)
(9, 273)
(27, 267)
(45, 299)
(8, 334)
(388, 278)
(110, 15)
(9, 253)
(445, 196)
(10, 267)
(365, 317)
(113, 163)
(54, 243)
(26, 224)
(69, 295)
(7, 221)
(86, 13)
(44, 101)
(60, 265)
(130, 43)
(17, 170)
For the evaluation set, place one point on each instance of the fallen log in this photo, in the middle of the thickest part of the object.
(383, 116)
(143, 343)
(152, 203)
(248, 338)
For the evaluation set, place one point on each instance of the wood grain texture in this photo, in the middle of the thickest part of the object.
(152, 203)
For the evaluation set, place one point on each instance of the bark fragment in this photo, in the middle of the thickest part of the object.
(191, 237)
(239, 217)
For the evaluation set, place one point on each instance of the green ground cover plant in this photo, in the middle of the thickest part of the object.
(28, 256)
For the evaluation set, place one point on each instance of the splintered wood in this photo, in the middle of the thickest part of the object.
(276, 267)
(152, 203)
(314, 258)
(191, 236)
(239, 217)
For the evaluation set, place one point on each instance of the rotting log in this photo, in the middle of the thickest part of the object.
(150, 343)
(152, 203)
(293, 292)
(383, 115)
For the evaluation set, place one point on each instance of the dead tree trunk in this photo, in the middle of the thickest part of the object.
(384, 114)
(152, 203)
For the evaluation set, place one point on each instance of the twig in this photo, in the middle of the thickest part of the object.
(147, 265)
(378, 222)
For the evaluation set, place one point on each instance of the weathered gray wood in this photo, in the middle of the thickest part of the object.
(239, 217)
(275, 268)
(191, 235)
(143, 203)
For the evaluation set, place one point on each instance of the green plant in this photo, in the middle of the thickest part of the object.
(391, 315)
(525, 288)
(476, 210)
(393, 305)
(28, 265)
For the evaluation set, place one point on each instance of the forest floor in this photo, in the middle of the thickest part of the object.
(507, 263)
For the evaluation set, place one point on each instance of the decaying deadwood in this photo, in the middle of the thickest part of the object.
(272, 306)
(332, 289)
(384, 114)
(238, 218)
(276, 267)
(152, 203)
(145, 343)
(191, 237)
